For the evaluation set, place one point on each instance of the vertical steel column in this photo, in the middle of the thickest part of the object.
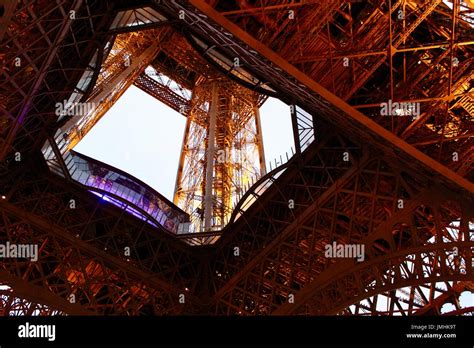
(294, 123)
(182, 157)
(261, 153)
(211, 135)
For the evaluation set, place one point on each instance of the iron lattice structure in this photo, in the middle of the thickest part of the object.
(222, 151)
(400, 186)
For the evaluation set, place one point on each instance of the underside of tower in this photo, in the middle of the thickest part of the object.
(371, 213)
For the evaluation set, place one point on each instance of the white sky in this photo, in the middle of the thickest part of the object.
(143, 137)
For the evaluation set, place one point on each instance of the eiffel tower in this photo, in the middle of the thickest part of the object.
(241, 238)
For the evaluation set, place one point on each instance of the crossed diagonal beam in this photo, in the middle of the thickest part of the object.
(39, 81)
(434, 261)
(88, 242)
(38, 294)
(339, 109)
(163, 93)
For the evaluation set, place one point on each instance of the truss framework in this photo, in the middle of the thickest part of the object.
(222, 151)
(368, 54)
(419, 252)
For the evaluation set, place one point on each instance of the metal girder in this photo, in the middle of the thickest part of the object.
(263, 225)
(270, 8)
(222, 152)
(421, 51)
(26, 105)
(293, 262)
(97, 231)
(163, 93)
(314, 199)
(38, 294)
(27, 54)
(383, 271)
(76, 260)
(338, 109)
(113, 81)
(435, 304)
(351, 288)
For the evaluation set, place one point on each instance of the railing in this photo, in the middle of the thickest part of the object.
(252, 194)
(304, 122)
(258, 185)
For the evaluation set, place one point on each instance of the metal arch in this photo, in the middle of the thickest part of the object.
(151, 252)
(95, 265)
(34, 295)
(334, 276)
(342, 297)
(262, 244)
(258, 304)
(251, 192)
